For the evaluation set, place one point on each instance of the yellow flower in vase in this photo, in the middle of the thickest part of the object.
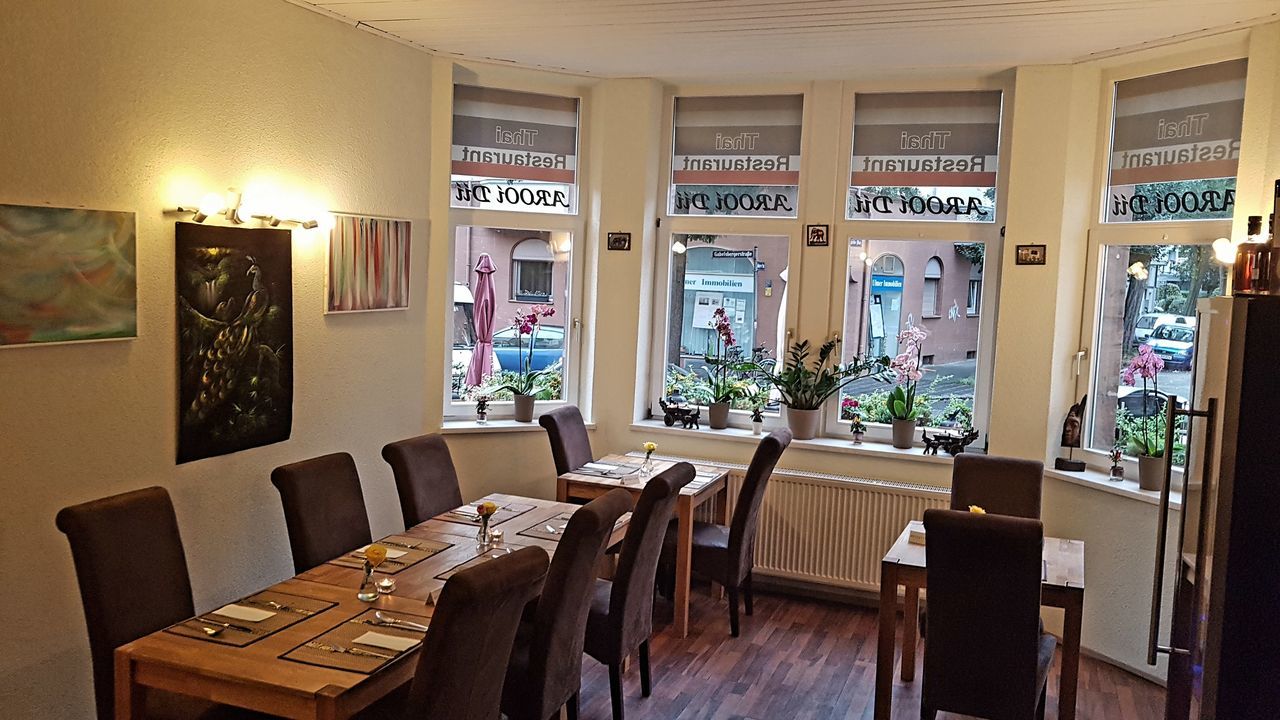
(649, 449)
(977, 510)
(486, 509)
(375, 555)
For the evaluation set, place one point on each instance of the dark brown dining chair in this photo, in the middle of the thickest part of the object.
(986, 655)
(570, 446)
(621, 617)
(133, 581)
(464, 658)
(999, 485)
(323, 508)
(426, 480)
(726, 554)
(545, 671)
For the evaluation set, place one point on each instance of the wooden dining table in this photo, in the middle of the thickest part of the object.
(710, 483)
(264, 672)
(1062, 587)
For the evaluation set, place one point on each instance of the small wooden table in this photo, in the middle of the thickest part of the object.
(710, 482)
(256, 677)
(904, 565)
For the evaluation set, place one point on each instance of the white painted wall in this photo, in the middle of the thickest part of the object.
(112, 108)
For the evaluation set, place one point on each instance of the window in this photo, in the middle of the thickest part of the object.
(536, 266)
(736, 155)
(880, 302)
(743, 274)
(514, 151)
(1148, 297)
(1175, 142)
(925, 156)
(532, 271)
(932, 279)
(974, 299)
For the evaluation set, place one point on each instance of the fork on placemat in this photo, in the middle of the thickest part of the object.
(328, 647)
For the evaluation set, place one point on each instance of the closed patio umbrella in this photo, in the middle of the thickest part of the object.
(482, 356)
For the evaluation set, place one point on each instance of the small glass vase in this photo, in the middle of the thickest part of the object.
(646, 469)
(482, 535)
(368, 591)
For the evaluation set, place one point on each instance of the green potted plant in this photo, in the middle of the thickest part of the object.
(902, 399)
(805, 385)
(1147, 439)
(525, 384)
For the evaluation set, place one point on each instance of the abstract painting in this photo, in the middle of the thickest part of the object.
(368, 264)
(66, 275)
(235, 339)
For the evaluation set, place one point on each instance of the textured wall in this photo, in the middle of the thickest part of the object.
(113, 105)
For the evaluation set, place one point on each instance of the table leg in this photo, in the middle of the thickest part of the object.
(1070, 658)
(129, 696)
(720, 514)
(888, 633)
(910, 624)
(562, 490)
(684, 563)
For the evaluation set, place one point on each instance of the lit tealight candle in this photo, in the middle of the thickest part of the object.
(387, 585)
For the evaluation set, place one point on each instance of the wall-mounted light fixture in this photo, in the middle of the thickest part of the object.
(678, 248)
(255, 203)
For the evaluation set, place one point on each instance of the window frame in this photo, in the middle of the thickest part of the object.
(991, 235)
(1104, 234)
(517, 270)
(672, 225)
(575, 381)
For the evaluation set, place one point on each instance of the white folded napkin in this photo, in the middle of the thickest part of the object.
(390, 642)
(465, 510)
(240, 612)
(393, 554)
(600, 467)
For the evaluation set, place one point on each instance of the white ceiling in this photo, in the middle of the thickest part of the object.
(743, 39)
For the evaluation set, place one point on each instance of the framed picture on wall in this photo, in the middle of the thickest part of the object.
(1030, 255)
(817, 235)
(618, 241)
(368, 264)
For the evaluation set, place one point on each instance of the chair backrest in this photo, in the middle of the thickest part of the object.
(132, 572)
(631, 602)
(323, 508)
(560, 623)
(984, 574)
(570, 446)
(464, 658)
(999, 485)
(425, 477)
(746, 511)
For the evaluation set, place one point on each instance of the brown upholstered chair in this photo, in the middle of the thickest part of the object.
(464, 657)
(985, 655)
(999, 485)
(323, 508)
(726, 554)
(570, 446)
(545, 671)
(133, 581)
(621, 618)
(425, 477)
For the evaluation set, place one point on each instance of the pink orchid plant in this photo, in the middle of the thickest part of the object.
(722, 378)
(1148, 441)
(907, 371)
(527, 323)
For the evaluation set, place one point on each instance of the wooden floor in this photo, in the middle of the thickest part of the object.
(808, 660)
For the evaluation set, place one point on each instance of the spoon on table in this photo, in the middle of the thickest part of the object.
(388, 620)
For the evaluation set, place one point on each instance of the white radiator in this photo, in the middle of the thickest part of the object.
(829, 529)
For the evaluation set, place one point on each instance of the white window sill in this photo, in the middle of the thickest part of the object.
(1098, 480)
(507, 425)
(836, 445)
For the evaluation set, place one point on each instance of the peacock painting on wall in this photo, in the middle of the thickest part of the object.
(235, 339)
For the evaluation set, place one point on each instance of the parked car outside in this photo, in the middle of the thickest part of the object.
(1150, 321)
(1175, 344)
(547, 348)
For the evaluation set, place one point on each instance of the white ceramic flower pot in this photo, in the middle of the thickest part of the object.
(803, 423)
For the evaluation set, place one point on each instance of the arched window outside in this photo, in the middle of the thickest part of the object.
(932, 287)
(531, 270)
